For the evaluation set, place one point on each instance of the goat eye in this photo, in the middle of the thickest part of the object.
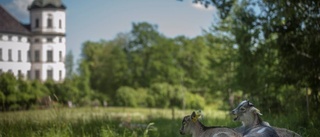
(242, 109)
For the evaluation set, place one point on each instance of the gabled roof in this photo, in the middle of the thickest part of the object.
(8, 24)
(36, 4)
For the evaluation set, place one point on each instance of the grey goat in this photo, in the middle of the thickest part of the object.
(252, 124)
(249, 115)
(191, 125)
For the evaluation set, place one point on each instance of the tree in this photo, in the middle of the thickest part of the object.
(8, 88)
(277, 38)
(296, 26)
(144, 37)
(69, 65)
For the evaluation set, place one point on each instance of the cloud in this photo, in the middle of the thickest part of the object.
(19, 8)
(200, 6)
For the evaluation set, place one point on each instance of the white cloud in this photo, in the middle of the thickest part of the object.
(202, 7)
(19, 8)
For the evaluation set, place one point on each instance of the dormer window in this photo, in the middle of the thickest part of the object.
(49, 21)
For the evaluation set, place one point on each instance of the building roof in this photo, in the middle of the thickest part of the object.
(37, 4)
(8, 24)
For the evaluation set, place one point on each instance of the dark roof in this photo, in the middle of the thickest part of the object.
(56, 4)
(8, 24)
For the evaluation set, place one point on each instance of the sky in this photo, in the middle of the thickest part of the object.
(97, 20)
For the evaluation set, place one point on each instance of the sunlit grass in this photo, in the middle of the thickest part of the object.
(111, 122)
(93, 121)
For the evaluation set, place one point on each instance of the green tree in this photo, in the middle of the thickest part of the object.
(193, 60)
(8, 87)
(114, 70)
(69, 65)
(139, 52)
(296, 26)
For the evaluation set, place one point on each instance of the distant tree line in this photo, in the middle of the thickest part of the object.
(265, 51)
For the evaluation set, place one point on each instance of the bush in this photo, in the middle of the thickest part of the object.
(160, 93)
(165, 95)
(127, 96)
(14, 107)
(194, 101)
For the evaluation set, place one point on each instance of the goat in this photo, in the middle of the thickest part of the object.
(252, 124)
(282, 132)
(191, 125)
(249, 116)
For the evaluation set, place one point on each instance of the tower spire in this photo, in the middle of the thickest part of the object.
(47, 4)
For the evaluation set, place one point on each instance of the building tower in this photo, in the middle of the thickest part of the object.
(47, 40)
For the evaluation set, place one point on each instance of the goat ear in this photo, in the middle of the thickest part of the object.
(249, 103)
(256, 111)
(195, 115)
(198, 113)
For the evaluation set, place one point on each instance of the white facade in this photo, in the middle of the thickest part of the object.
(14, 54)
(39, 19)
(48, 43)
(41, 54)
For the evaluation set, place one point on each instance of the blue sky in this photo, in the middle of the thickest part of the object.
(103, 19)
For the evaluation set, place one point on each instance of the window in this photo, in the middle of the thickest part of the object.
(49, 74)
(49, 40)
(60, 56)
(19, 73)
(49, 21)
(10, 71)
(37, 56)
(37, 23)
(37, 75)
(60, 40)
(19, 55)
(1, 55)
(60, 75)
(49, 56)
(10, 55)
(60, 24)
(29, 74)
(36, 40)
(29, 56)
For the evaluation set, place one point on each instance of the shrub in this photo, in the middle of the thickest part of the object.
(126, 96)
(194, 101)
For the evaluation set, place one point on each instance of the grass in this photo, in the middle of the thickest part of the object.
(118, 122)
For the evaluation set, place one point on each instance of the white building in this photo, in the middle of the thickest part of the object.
(37, 50)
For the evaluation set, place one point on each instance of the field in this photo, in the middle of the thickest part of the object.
(113, 122)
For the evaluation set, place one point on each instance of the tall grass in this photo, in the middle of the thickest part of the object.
(121, 122)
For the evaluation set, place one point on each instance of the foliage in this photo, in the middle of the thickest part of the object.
(144, 58)
(275, 45)
(105, 122)
(265, 51)
(159, 95)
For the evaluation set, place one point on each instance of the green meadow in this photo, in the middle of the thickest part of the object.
(119, 122)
